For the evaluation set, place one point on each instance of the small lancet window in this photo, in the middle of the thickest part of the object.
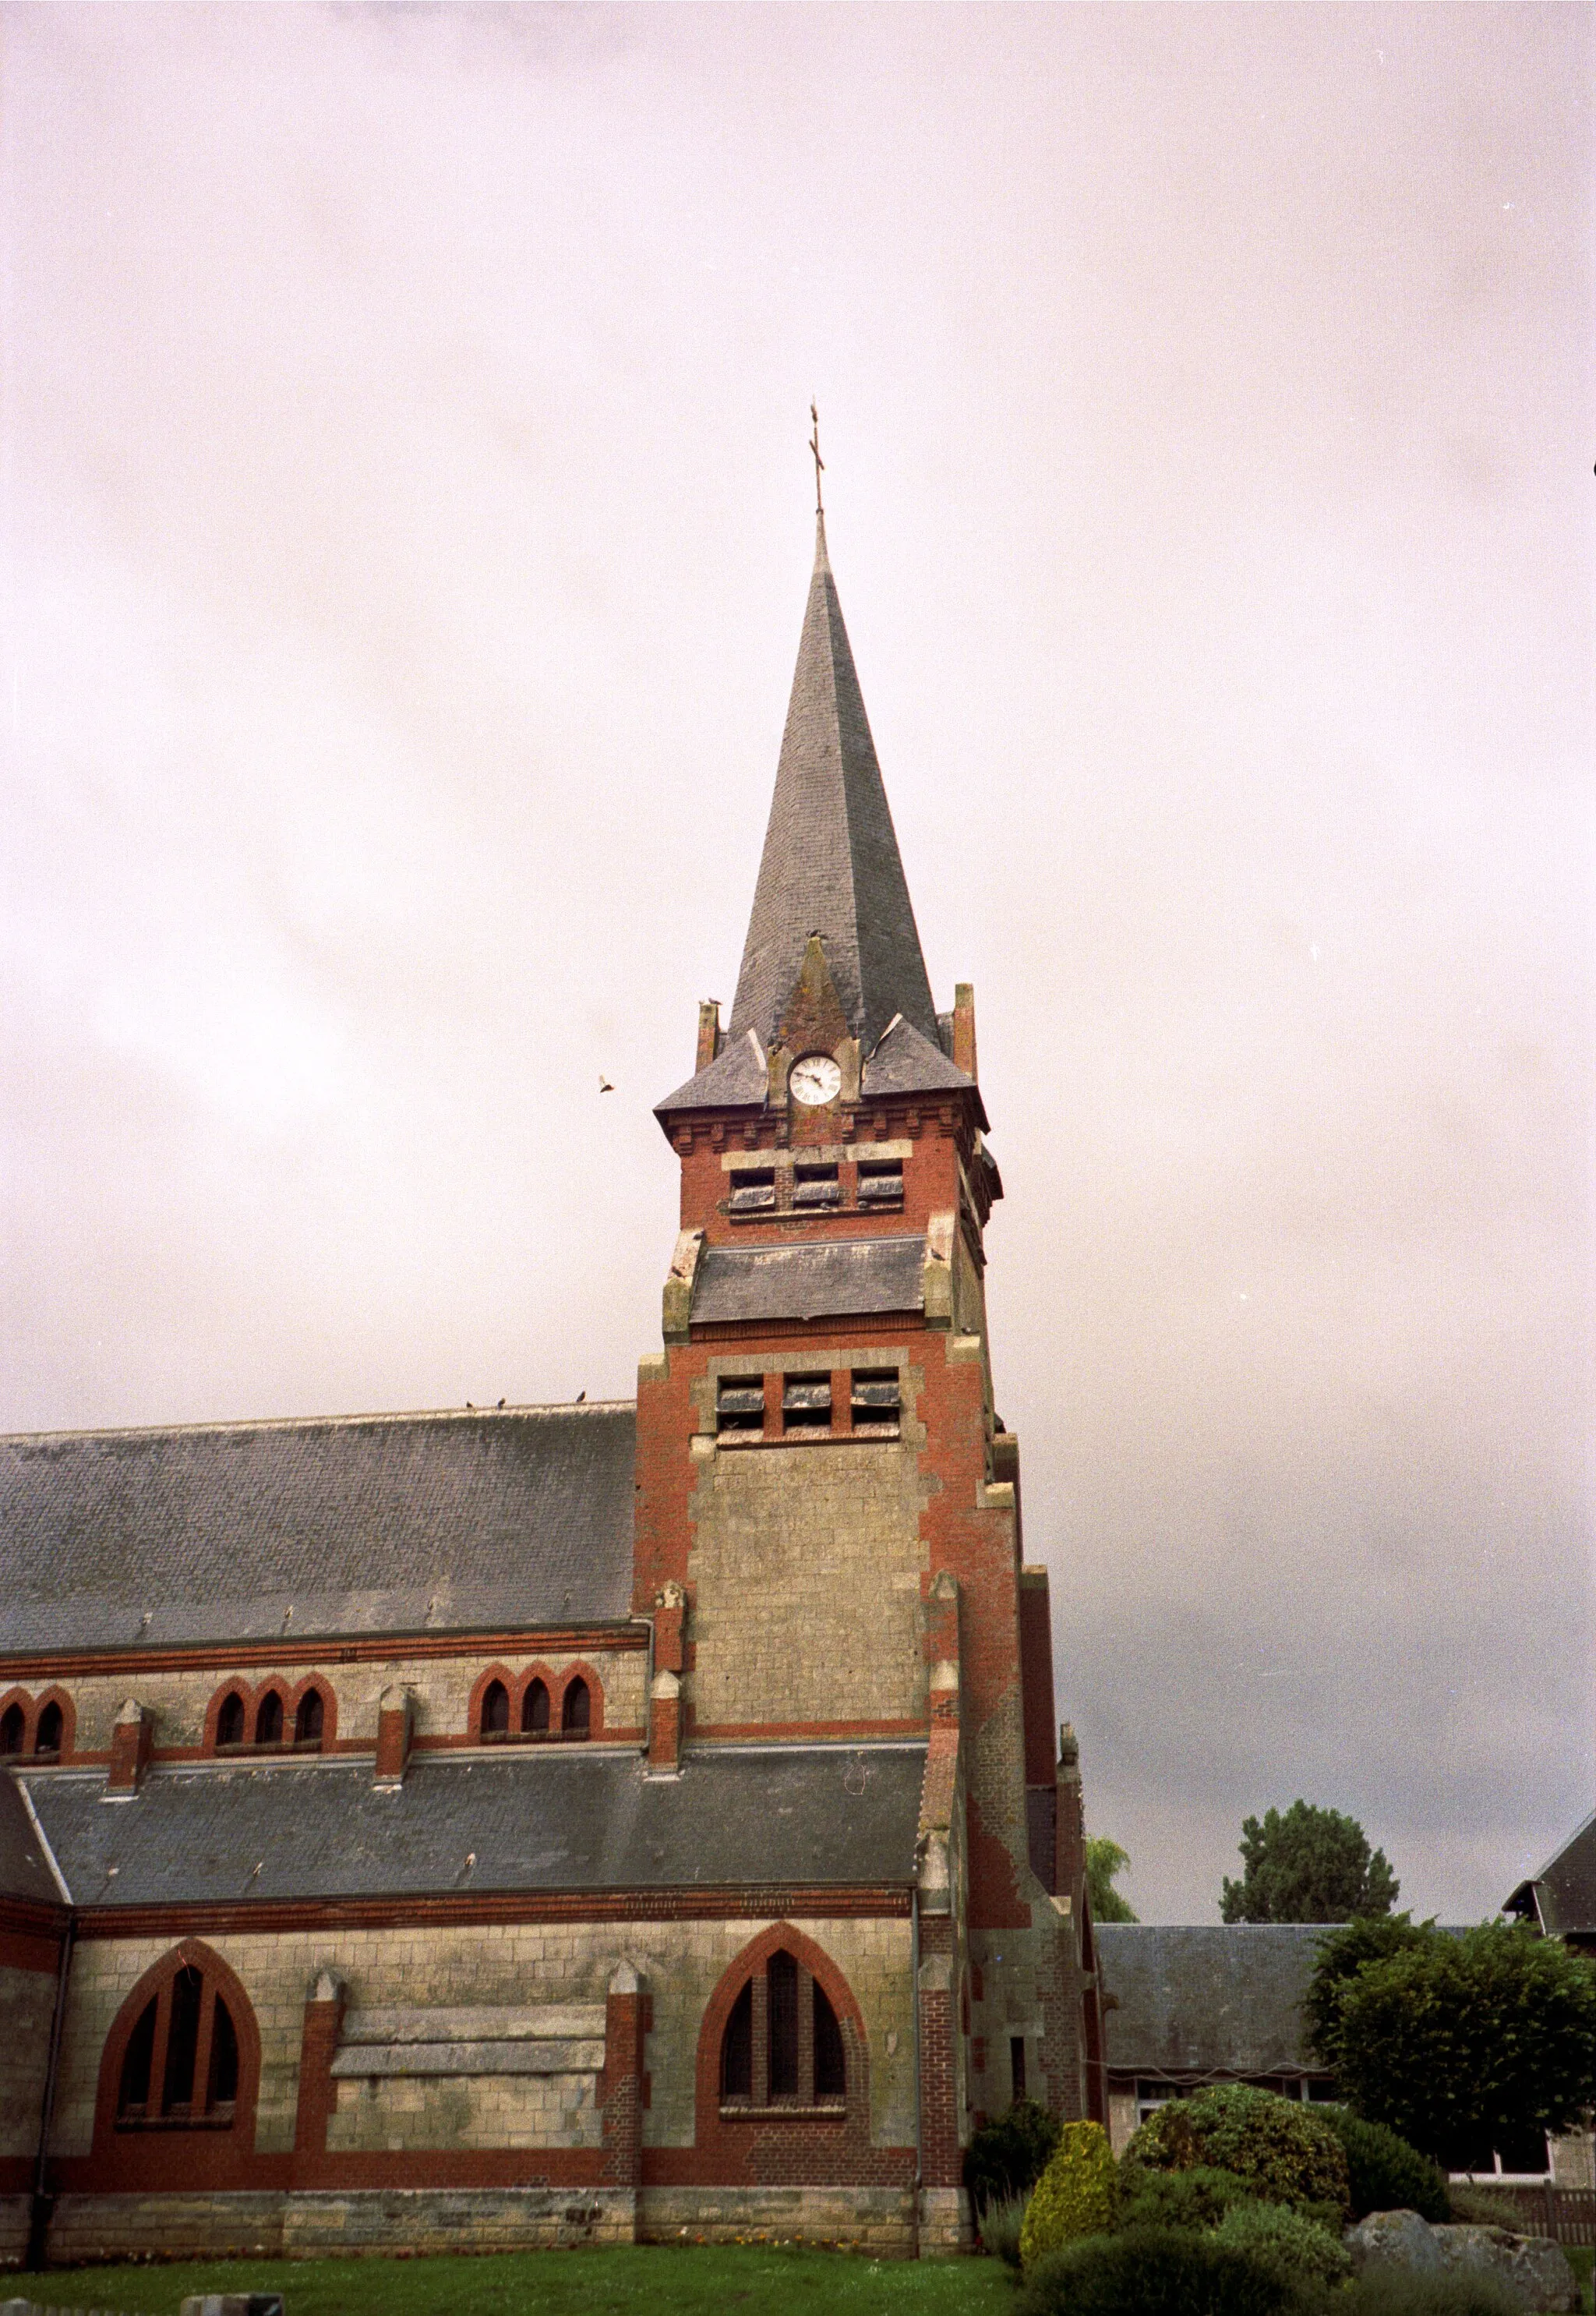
(535, 1709)
(830, 2062)
(308, 1718)
(269, 1719)
(576, 1709)
(133, 2098)
(495, 1709)
(51, 1727)
(782, 2000)
(230, 1720)
(737, 2048)
(13, 1723)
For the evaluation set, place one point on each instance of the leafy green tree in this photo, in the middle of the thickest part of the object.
(1461, 2043)
(1104, 1859)
(1310, 1865)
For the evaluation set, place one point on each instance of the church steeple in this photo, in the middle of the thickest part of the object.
(830, 864)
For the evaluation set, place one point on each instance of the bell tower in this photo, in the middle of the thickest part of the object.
(827, 1505)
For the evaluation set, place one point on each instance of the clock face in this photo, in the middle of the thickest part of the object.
(817, 1078)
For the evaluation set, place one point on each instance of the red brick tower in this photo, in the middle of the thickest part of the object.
(827, 1507)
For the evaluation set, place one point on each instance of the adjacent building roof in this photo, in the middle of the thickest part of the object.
(831, 864)
(553, 1819)
(237, 1531)
(1562, 1897)
(1199, 2001)
(840, 1279)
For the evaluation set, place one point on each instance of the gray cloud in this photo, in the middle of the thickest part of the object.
(405, 521)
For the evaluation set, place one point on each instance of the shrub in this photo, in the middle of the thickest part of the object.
(1384, 2173)
(1482, 2207)
(1008, 2157)
(1389, 2292)
(1280, 2238)
(1287, 2151)
(1198, 2198)
(1154, 2272)
(1074, 2196)
(1000, 2225)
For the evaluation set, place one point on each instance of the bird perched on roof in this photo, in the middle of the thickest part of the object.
(580, 1397)
(604, 1084)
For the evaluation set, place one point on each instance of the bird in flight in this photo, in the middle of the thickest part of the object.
(604, 1084)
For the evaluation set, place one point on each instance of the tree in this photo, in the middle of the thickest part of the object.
(1104, 1859)
(1310, 1865)
(1463, 2043)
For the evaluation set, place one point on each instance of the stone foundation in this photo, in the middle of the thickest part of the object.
(313, 2225)
(15, 2211)
(869, 2219)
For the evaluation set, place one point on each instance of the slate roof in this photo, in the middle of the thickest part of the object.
(736, 1078)
(1206, 2001)
(397, 1523)
(559, 1818)
(830, 863)
(1563, 1896)
(23, 1870)
(904, 1062)
(840, 1279)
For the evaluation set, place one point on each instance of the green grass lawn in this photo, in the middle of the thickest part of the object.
(1580, 2259)
(691, 2280)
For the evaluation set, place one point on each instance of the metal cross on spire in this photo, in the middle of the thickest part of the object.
(814, 444)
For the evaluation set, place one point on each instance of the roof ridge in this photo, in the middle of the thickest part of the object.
(317, 1422)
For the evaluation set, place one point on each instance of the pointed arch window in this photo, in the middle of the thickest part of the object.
(576, 1709)
(495, 1709)
(269, 1719)
(535, 1709)
(230, 1720)
(180, 2065)
(309, 1716)
(52, 1724)
(13, 1728)
(782, 2044)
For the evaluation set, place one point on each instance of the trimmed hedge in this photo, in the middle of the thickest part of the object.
(1198, 2198)
(1303, 2251)
(1154, 2272)
(1074, 2196)
(1288, 2153)
(1384, 2173)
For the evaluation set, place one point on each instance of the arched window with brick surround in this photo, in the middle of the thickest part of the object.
(229, 1727)
(495, 1709)
(576, 1709)
(309, 1718)
(178, 2058)
(51, 1730)
(535, 1709)
(13, 1727)
(782, 2043)
(269, 1719)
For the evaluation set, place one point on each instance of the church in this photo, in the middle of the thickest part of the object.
(609, 1822)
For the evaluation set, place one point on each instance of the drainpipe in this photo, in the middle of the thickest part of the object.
(914, 1968)
(38, 2218)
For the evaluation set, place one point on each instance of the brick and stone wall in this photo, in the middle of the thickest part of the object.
(440, 1688)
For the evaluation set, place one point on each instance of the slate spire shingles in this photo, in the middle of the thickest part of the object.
(830, 863)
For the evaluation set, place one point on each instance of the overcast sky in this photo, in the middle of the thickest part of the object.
(407, 526)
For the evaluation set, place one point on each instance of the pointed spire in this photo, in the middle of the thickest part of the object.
(830, 863)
